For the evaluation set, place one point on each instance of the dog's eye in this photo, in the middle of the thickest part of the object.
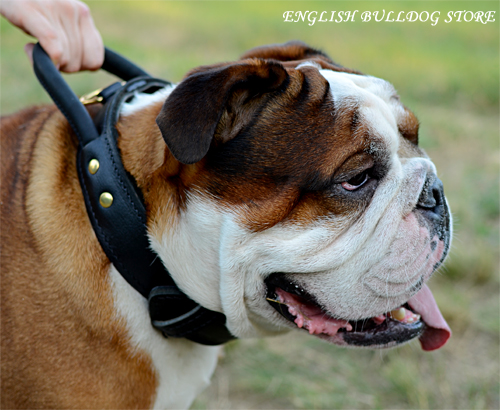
(356, 182)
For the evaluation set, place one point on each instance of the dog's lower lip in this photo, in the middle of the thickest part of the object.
(388, 334)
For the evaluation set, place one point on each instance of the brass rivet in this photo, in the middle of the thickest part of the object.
(93, 166)
(106, 199)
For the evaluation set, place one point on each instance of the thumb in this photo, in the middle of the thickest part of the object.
(28, 49)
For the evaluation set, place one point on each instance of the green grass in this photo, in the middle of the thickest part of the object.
(449, 76)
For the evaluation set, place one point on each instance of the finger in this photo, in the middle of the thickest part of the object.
(43, 30)
(92, 45)
(69, 23)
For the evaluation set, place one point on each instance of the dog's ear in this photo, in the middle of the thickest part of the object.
(215, 102)
(291, 51)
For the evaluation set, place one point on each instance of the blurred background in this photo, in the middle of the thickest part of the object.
(448, 74)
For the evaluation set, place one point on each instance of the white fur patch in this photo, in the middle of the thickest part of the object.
(142, 100)
(183, 368)
(377, 102)
(308, 64)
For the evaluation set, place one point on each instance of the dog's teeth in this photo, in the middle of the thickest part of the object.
(403, 315)
(398, 314)
(413, 318)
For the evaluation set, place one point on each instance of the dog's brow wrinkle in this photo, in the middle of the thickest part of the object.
(355, 123)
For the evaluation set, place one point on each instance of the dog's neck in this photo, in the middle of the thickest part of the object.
(156, 172)
(144, 156)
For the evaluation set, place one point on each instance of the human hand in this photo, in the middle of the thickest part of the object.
(64, 28)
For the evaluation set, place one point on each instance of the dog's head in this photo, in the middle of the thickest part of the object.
(302, 200)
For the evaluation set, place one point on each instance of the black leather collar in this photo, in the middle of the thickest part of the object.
(114, 203)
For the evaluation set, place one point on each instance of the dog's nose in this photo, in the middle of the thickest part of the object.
(432, 197)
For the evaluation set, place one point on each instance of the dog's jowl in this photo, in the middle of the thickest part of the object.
(282, 190)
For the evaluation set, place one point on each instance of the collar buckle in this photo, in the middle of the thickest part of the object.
(92, 97)
(101, 95)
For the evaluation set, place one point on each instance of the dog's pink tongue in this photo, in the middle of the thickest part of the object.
(437, 331)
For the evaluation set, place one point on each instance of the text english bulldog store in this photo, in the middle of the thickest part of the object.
(461, 16)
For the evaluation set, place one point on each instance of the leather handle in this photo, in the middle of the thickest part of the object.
(118, 65)
(64, 97)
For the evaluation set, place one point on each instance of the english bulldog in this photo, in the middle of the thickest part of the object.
(282, 190)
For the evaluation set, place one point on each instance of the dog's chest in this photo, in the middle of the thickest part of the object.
(183, 368)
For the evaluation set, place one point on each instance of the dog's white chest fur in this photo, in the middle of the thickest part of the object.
(183, 368)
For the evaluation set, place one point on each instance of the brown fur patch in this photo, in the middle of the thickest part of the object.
(275, 140)
(408, 127)
(283, 159)
(62, 345)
